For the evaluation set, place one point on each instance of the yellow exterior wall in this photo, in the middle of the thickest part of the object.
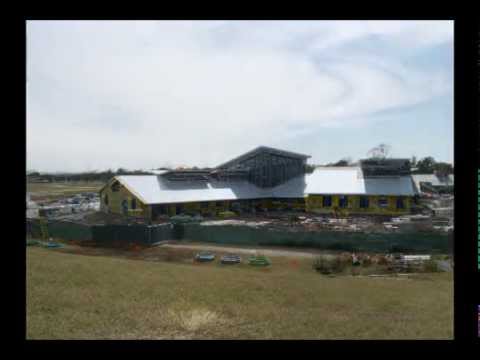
(281, 204)
(206, 207)
(202, 208)
(314, 203)
(266, 203)
(115, 199)
(192, 207)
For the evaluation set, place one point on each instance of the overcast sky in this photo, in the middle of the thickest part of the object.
(145, 94)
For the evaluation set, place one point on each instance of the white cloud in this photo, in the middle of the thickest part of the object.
(140, 94)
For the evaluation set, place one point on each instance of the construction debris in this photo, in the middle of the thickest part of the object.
(231, 259)
(235, 222)
(409, 263)
(79, 203)
(205, 256)
(372, 224)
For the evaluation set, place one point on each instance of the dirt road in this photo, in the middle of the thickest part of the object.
(250, 251)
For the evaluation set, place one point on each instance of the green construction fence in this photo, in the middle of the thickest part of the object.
(67, 230)
(419, 242)
(329, 240)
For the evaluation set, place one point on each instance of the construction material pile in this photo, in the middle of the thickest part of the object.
(231, 259)
(439, 204)
(259, 260)
(415, 223)
(378, 264)
(235, 223)
(78, 203)
(352, 224)
(205, 256)
(372, 224)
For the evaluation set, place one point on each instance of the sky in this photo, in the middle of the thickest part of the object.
(147, 94)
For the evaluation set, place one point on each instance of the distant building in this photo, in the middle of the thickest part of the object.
(264, 179)
(32, 207)
(433, 183)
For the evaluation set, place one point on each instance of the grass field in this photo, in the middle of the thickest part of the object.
(52, 191)
(72, 296)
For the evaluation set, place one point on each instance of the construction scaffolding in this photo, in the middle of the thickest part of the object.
(264, 167)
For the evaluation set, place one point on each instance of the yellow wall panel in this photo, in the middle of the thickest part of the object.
(115, 199)
(314, 204)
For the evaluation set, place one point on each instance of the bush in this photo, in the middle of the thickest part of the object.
(430, 266)
(382, 260)
(366, 261)
(329, 264)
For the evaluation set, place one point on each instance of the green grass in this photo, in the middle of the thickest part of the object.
(73, 296)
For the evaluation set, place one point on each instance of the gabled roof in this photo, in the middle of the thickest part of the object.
(156, 189)
(264, 149)
(153, 189)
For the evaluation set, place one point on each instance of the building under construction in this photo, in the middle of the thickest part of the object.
(265, 179)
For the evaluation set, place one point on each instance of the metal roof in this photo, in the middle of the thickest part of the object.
(433, 179)
(264, 149)
(158, 172)
(152, 189)
(350, 180)
(155, 189)
(385, 167)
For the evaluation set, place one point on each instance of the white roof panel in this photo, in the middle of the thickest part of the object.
(350, 180)
(154, 189)
(334, 180)
(401, 185)
(157, 172)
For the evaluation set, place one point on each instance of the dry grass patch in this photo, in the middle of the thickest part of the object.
(98, 297)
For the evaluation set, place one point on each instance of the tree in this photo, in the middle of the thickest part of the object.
(413, 161)
(379, 152)
(346, 161)
(165, 166)
(342, 162)
(443, 169)
(426, 165)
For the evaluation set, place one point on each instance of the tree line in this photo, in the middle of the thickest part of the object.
(102, 176)
(426, 165)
